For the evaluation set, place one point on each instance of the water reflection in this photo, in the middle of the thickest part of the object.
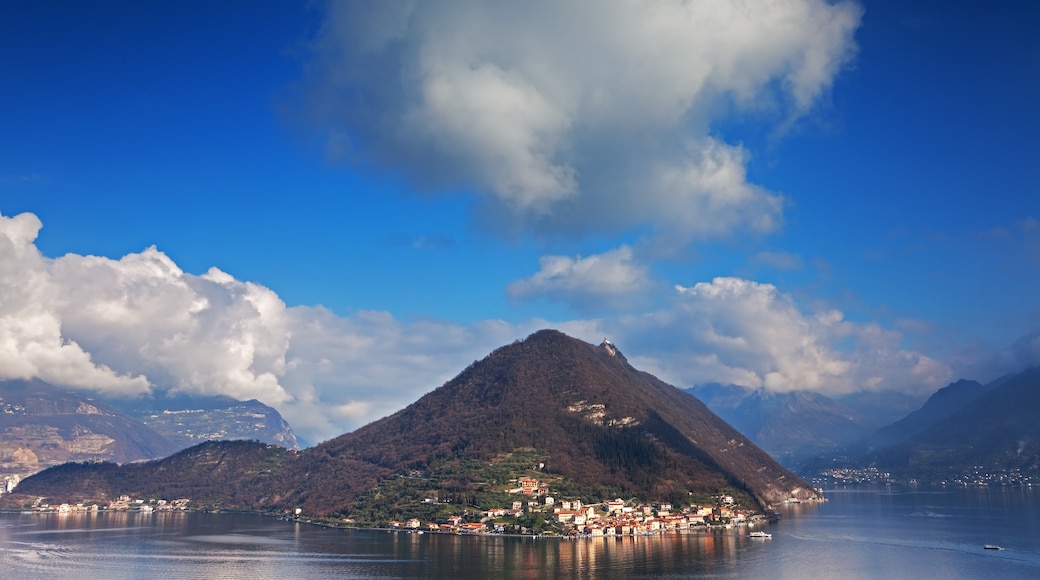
(511, 557)
(857, 534)
(160, 545)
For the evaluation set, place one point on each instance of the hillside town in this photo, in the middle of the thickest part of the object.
(124, 503)
(563, 518)
(573, 517)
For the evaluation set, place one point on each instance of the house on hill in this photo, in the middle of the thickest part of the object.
(528, 486)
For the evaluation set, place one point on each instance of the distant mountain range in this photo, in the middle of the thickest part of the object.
(577, 417)
(963, 428)
(941, 405)
(42, 425)
(992, 430)
(798, 425)
(187, 420)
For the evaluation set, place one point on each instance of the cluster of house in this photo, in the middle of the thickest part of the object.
(64, 508)
(453, 525)
(616, 518)
(124, 503)
(611, 518)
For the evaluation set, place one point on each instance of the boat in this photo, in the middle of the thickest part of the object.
(760, 535)
(992, 547)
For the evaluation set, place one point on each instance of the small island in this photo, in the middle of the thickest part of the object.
(534, 512)
(546, 436)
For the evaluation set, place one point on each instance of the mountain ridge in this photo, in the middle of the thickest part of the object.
(941, 405)
(190, 419)
(965, 432)
(999, 429)
(42, 425)
(798, 425)
(601, 426)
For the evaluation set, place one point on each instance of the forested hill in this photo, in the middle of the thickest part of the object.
(599, 427)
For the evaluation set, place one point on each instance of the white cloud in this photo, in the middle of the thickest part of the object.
(32, 343)
(609, 278)
(738, 331)
(124, 326)
(985, 362)
(206, 333)
(576, 117)
(499, 122)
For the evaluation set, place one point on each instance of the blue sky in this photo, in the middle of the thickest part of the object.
(834, 196)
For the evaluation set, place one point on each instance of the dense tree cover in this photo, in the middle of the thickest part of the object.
(218, 474)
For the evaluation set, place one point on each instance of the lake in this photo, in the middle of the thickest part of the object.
(857, 533)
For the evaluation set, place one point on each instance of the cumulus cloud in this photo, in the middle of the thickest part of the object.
(607, 279)
(195, 334)
(738, 331)
(580, 116)
(126, 326)
(32, 343)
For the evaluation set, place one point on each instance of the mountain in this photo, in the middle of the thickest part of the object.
(790, 426)
(602, 424)
(998, 430)
(191, 419)
(576, 416)
(41, 426)
(941, 405)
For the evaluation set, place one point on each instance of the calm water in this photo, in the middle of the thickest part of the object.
(857, 534)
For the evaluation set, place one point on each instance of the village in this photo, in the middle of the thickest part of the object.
(123, 504)
(573, 518)
(561, 518)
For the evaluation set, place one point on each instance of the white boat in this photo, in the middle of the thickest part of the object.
(760, 535)
(992, 547)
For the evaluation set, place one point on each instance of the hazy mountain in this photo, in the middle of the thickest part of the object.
(191, 419)
(41, 426)
(997, 430)
(599, 427)
(941, 405)
(880, 408)
(789, 426)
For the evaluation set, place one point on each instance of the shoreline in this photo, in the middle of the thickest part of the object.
(699, 529)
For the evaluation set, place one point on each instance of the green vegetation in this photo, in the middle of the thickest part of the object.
(463, 487)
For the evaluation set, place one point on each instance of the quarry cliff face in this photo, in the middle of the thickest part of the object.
(41, 426)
